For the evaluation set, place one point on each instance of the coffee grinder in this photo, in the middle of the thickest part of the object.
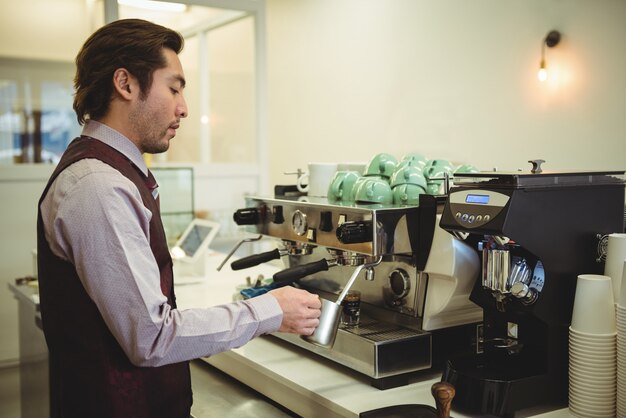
(534, 232)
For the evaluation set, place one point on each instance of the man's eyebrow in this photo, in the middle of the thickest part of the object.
(180, 79)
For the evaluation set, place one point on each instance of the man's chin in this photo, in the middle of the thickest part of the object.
(158, 148)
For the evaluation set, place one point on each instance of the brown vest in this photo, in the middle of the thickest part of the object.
(90, 375)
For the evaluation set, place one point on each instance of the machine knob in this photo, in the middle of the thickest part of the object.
(354, 232)
(247, 216)
(525, 294)
(278, 214)
(326, 221)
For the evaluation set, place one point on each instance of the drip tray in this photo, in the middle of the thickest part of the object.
(374, 348)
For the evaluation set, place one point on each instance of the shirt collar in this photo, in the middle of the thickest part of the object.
(114, 139)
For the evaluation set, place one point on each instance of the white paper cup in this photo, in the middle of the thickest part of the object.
(601, 362)
(590, 390)
(594, 306)
(585, 336)
(584, 366)
(600, 405)
(583, 353)
(582, 379)
(614, 265)
(621, 291)
(588, 413)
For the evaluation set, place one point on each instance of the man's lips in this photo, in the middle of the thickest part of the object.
(173, 127)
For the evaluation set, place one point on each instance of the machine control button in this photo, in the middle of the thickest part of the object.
(464, 217)
(277, 211)
(479, 218)
(471, 219)
(326, 221)
(458, 215)
(311, 235)
(486, 218)
(342, 219)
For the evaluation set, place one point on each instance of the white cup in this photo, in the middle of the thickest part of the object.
(622, 290)
(594, 306)
(614, 265)
(315, 182)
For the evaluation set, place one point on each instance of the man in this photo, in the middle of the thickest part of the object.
(118, 346)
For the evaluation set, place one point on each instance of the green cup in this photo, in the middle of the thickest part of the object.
(414, 159)
(373, 190)
(342, 185)
(436, 169)
(408, 174)
(381, 165)
(466, 168)
(407, 194)
(358, 184)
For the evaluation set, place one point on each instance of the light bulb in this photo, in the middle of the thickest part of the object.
(542, 74)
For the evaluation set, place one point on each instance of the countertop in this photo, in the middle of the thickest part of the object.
(297, 379)
(307, 384)
(26, 291)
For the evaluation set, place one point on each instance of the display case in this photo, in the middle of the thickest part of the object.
(176, 194)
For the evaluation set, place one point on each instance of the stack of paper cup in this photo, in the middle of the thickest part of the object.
(592, 349)
(615, 256)
(621, 349)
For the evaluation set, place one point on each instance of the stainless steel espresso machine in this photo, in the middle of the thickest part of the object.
(414, 282)
(534, 232)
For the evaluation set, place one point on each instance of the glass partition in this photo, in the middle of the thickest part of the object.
(176, 188)
(37, 121)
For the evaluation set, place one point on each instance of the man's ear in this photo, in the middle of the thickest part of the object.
(125, 84)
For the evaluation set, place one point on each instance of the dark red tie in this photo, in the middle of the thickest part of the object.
(153, 186)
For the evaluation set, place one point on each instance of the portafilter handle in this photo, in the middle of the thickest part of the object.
(295, 273)
(255, 259)
(443, 392)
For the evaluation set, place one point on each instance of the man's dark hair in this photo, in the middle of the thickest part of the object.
(134, 44)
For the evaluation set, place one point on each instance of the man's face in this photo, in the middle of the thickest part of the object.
(156, 117)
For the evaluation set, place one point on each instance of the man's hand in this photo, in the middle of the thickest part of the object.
(301, 310)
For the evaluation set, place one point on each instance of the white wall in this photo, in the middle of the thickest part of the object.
(452, 79)
(47, 29)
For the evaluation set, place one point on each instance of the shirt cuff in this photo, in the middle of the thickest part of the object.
(268, 311)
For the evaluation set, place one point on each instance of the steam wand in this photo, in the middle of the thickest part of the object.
(230, 254)
(368, 266)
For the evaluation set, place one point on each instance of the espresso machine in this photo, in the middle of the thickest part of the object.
(534, 232)
(414, 278)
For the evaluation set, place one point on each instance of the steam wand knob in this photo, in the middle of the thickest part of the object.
(527, 295)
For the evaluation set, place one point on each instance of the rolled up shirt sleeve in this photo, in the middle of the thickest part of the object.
(94, 217)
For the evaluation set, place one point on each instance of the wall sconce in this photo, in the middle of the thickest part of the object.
(552, 39)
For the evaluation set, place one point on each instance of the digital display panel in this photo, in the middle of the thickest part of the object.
(194, 239)
(481, 199)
